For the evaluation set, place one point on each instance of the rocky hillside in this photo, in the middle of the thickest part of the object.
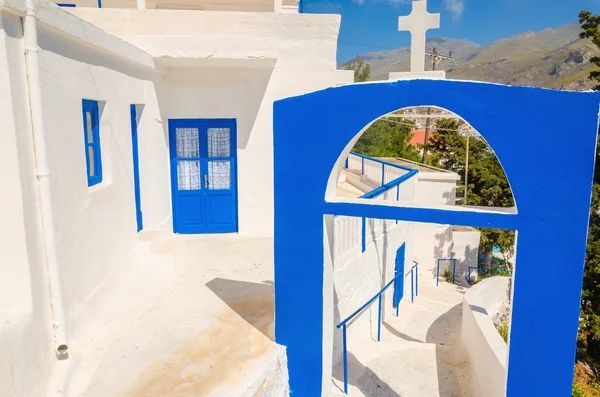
(552, 58)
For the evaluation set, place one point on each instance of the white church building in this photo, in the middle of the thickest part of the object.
(136, 241)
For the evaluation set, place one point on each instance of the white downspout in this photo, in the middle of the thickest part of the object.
(141, 4)
(30, 38)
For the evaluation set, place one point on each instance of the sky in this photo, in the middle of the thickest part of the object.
(372, 25)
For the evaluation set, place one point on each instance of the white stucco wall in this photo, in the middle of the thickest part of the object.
(358, 279)
(269, 57)
(265, 58)
(488, 353)
(465, 248)
(434, 241)
(95, 227)
(25, 331)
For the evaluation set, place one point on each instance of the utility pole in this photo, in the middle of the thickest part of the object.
(467, 166)
(436, 58)
(427, 124)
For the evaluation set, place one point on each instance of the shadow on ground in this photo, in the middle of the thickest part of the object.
(445, 333)
(254, 302)
(368, 382)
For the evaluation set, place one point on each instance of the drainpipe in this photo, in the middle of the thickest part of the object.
(30, 38)
(141, 4)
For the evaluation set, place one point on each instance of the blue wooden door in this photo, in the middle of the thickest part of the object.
(203, 175)
(136, 168)
(399, 283)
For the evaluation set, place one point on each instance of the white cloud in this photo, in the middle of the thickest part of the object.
(455, 7)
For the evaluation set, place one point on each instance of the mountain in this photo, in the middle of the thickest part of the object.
(552, 58)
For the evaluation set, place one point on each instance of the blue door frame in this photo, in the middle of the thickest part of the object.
(399, 283)
(136, 168)
(203, 175)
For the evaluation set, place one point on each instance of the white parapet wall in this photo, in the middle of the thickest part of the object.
(488, 353)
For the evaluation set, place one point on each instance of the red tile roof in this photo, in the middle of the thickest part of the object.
(418, 137)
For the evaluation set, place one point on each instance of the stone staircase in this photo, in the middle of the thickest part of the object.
(420, 353)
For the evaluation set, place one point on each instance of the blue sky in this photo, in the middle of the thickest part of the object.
(372, 25)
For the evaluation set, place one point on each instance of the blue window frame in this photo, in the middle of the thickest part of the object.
(91, 129)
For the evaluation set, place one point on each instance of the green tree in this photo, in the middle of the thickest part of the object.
(362, 70)
(488, 185)
(386, 138)
(589, 23)
(588, 346)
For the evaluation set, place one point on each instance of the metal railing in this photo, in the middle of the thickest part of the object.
(493, 270)
(414, 283)
(437, 277)
(344, 324)
(394, 174)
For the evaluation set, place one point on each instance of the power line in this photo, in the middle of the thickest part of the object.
(437, 129)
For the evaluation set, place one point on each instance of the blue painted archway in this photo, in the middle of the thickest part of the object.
(551, 178)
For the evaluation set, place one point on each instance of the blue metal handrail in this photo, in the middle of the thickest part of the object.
(437, 277)
(384, 186)
(412, 283)
(381, 189)
(344, 324)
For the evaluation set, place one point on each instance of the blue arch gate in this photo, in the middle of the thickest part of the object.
(330, 120)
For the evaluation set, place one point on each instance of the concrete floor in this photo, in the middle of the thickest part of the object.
(420, 354)
(207, 330)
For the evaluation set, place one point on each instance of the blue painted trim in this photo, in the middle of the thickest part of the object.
(364, 234)
(437, 276)
(345, 359)
(416, 265)
(375, 159)
(136, 168)
(344, 324)
(385, 186)
(66, 5)
(379, 320)
(301, 7)
(412, 287)
(370, 301)
(346, 162)
(91, 107)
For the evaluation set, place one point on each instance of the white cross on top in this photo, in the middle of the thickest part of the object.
(418, 23)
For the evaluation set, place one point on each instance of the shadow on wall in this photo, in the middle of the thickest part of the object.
(443, 247)
(445, 333)
(231, 92)
(254, 302)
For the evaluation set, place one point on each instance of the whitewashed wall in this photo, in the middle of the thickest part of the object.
(25, 332)
(434, 241)
(266, 57)
(97, 243)
(465, 248)
(96, 231)
(358, 276)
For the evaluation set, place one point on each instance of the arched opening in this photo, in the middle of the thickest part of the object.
(406, 283)
(332, 118)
